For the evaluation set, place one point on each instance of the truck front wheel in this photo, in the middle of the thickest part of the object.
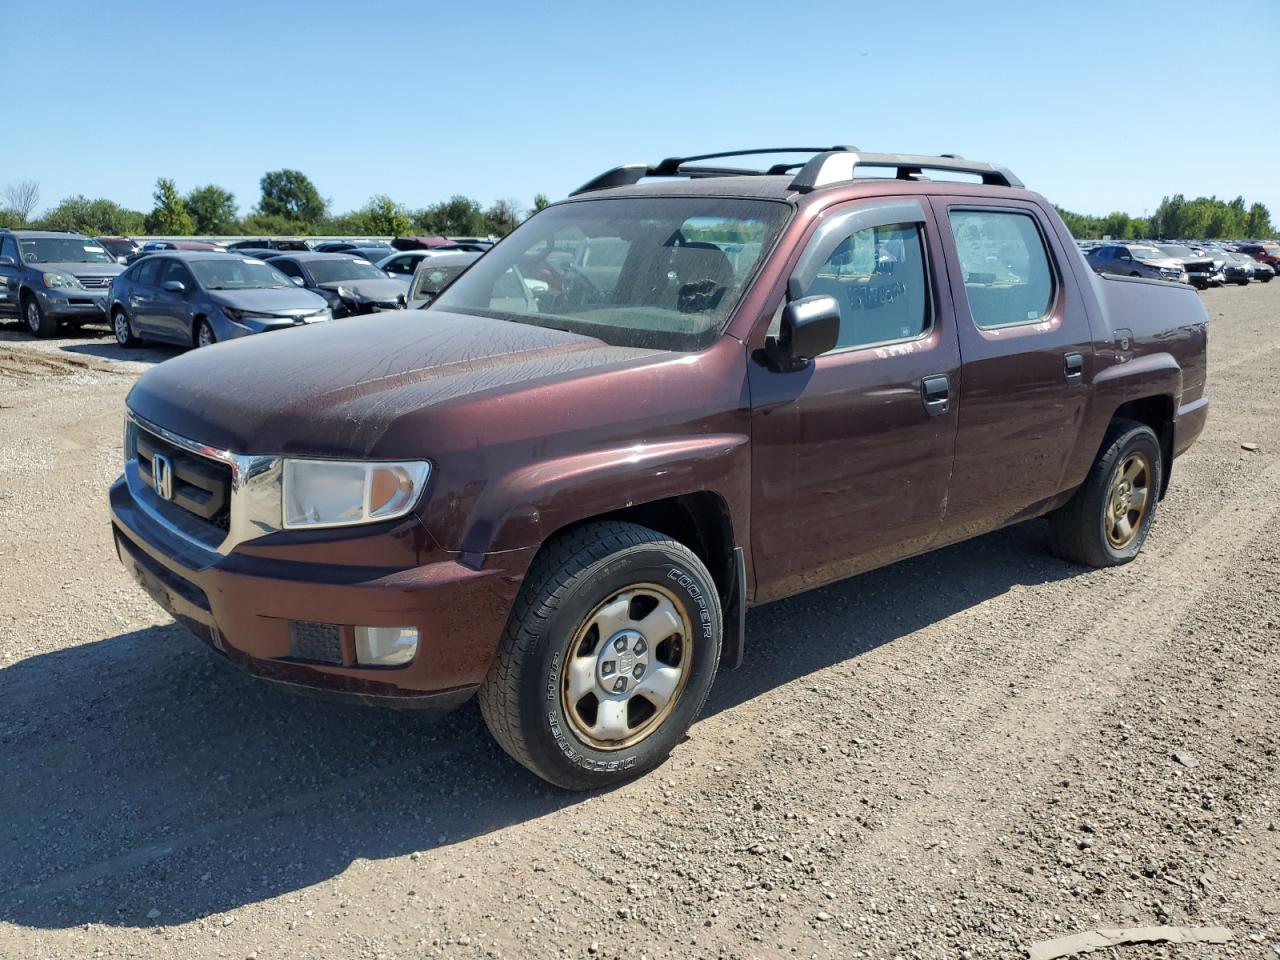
(1106, 522)
(608, 657)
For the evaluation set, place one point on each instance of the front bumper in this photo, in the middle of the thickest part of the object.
(243, 605)
(64, 304)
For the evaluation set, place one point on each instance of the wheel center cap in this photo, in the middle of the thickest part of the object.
(622, 661)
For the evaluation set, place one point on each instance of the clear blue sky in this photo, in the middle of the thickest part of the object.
(1099, 106)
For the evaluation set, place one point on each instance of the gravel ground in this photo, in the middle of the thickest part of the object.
(957, 756)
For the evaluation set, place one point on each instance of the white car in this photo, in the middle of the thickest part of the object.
(435, 270)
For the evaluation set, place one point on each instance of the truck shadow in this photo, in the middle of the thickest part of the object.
(142, 772)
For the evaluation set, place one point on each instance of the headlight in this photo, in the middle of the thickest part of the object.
(338, 493)
(346, 293)
(239, 315)
(63, 280)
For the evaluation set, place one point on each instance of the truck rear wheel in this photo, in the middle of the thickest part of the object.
(608, 657)
(1106, 522)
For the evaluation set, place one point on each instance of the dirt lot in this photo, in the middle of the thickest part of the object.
(957, 756)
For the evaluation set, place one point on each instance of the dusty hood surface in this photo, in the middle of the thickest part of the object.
(376, 386)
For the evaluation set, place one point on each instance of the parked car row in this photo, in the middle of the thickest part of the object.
(195, 293)
(1202, 264)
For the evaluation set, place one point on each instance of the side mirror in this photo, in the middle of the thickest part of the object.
(810, 327)
(7, 262)
(298, 281)
(175, 286)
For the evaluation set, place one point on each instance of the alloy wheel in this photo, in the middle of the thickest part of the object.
(627, 667)
(33, 316)
(1128, 500)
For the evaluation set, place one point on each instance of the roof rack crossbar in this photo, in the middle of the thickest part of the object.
(839, 166)
(825, 167)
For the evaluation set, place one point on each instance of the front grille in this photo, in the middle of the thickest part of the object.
(317, 642)
(94, 283)
(200, 489)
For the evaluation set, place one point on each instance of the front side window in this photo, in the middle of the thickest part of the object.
(148, 270)
(1007, 277)
(63, 250)
(402, 265)
(9, 249)
(175, 271)
(658, 272)
(288, 268)
(879, 277)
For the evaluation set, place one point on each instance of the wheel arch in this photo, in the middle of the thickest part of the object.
(703, 522)
(1157, 411)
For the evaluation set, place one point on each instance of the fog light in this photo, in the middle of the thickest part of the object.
(385, 646)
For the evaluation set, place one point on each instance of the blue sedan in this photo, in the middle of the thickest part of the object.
(196, 298)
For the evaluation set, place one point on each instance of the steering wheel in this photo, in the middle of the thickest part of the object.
(578, 289)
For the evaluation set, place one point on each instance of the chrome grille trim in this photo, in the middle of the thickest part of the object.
(255, 491)
(95, 283)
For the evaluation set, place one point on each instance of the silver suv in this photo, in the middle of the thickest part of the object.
(48, 278)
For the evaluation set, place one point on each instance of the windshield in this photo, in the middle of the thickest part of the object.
(1146, 253)
(1173, 250)
(238, 273)
(431, 279)
(662, 272)
(330, 271)
(63, 250)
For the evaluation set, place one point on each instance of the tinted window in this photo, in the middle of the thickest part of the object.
(288, 268)
(148, 270)
(402, 265)
(1007, 277)
(667, 275)
(9, 248)
(174, 270)
(878, 276)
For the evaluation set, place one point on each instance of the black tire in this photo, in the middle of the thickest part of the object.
(573, 578)
(1078, 531)
(37, 322)
(203, 329)
(122, 327)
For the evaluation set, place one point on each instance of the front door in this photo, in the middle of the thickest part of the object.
(9, 277)
(172, 308)
(1028, 360)
(851, 456)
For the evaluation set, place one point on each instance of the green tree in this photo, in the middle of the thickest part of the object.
(540, 202)
(384, 217)
(170, 216)
(501, 218)
(459, 216)
(290, 194)
(94, 217)
(1257, 223)
(213, 209)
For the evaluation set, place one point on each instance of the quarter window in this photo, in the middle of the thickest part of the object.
(878, 277)
(1007, 277)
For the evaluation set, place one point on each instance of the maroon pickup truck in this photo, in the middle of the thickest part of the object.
(652, 406)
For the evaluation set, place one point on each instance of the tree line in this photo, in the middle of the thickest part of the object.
(1177, 218)
(290, 205)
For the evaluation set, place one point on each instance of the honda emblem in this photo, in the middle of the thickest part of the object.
(162, 474)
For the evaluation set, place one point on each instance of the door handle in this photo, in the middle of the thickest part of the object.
(1074, 367)
(935, 393)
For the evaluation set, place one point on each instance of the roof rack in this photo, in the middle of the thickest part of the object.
(825, 167)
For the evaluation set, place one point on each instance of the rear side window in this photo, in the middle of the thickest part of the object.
(1007, 277)
(878, 277)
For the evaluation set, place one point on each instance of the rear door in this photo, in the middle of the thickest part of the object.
(1028, 360)
(141, 295)
(851, 456)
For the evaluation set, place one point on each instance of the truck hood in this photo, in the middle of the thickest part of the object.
(370, 387)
